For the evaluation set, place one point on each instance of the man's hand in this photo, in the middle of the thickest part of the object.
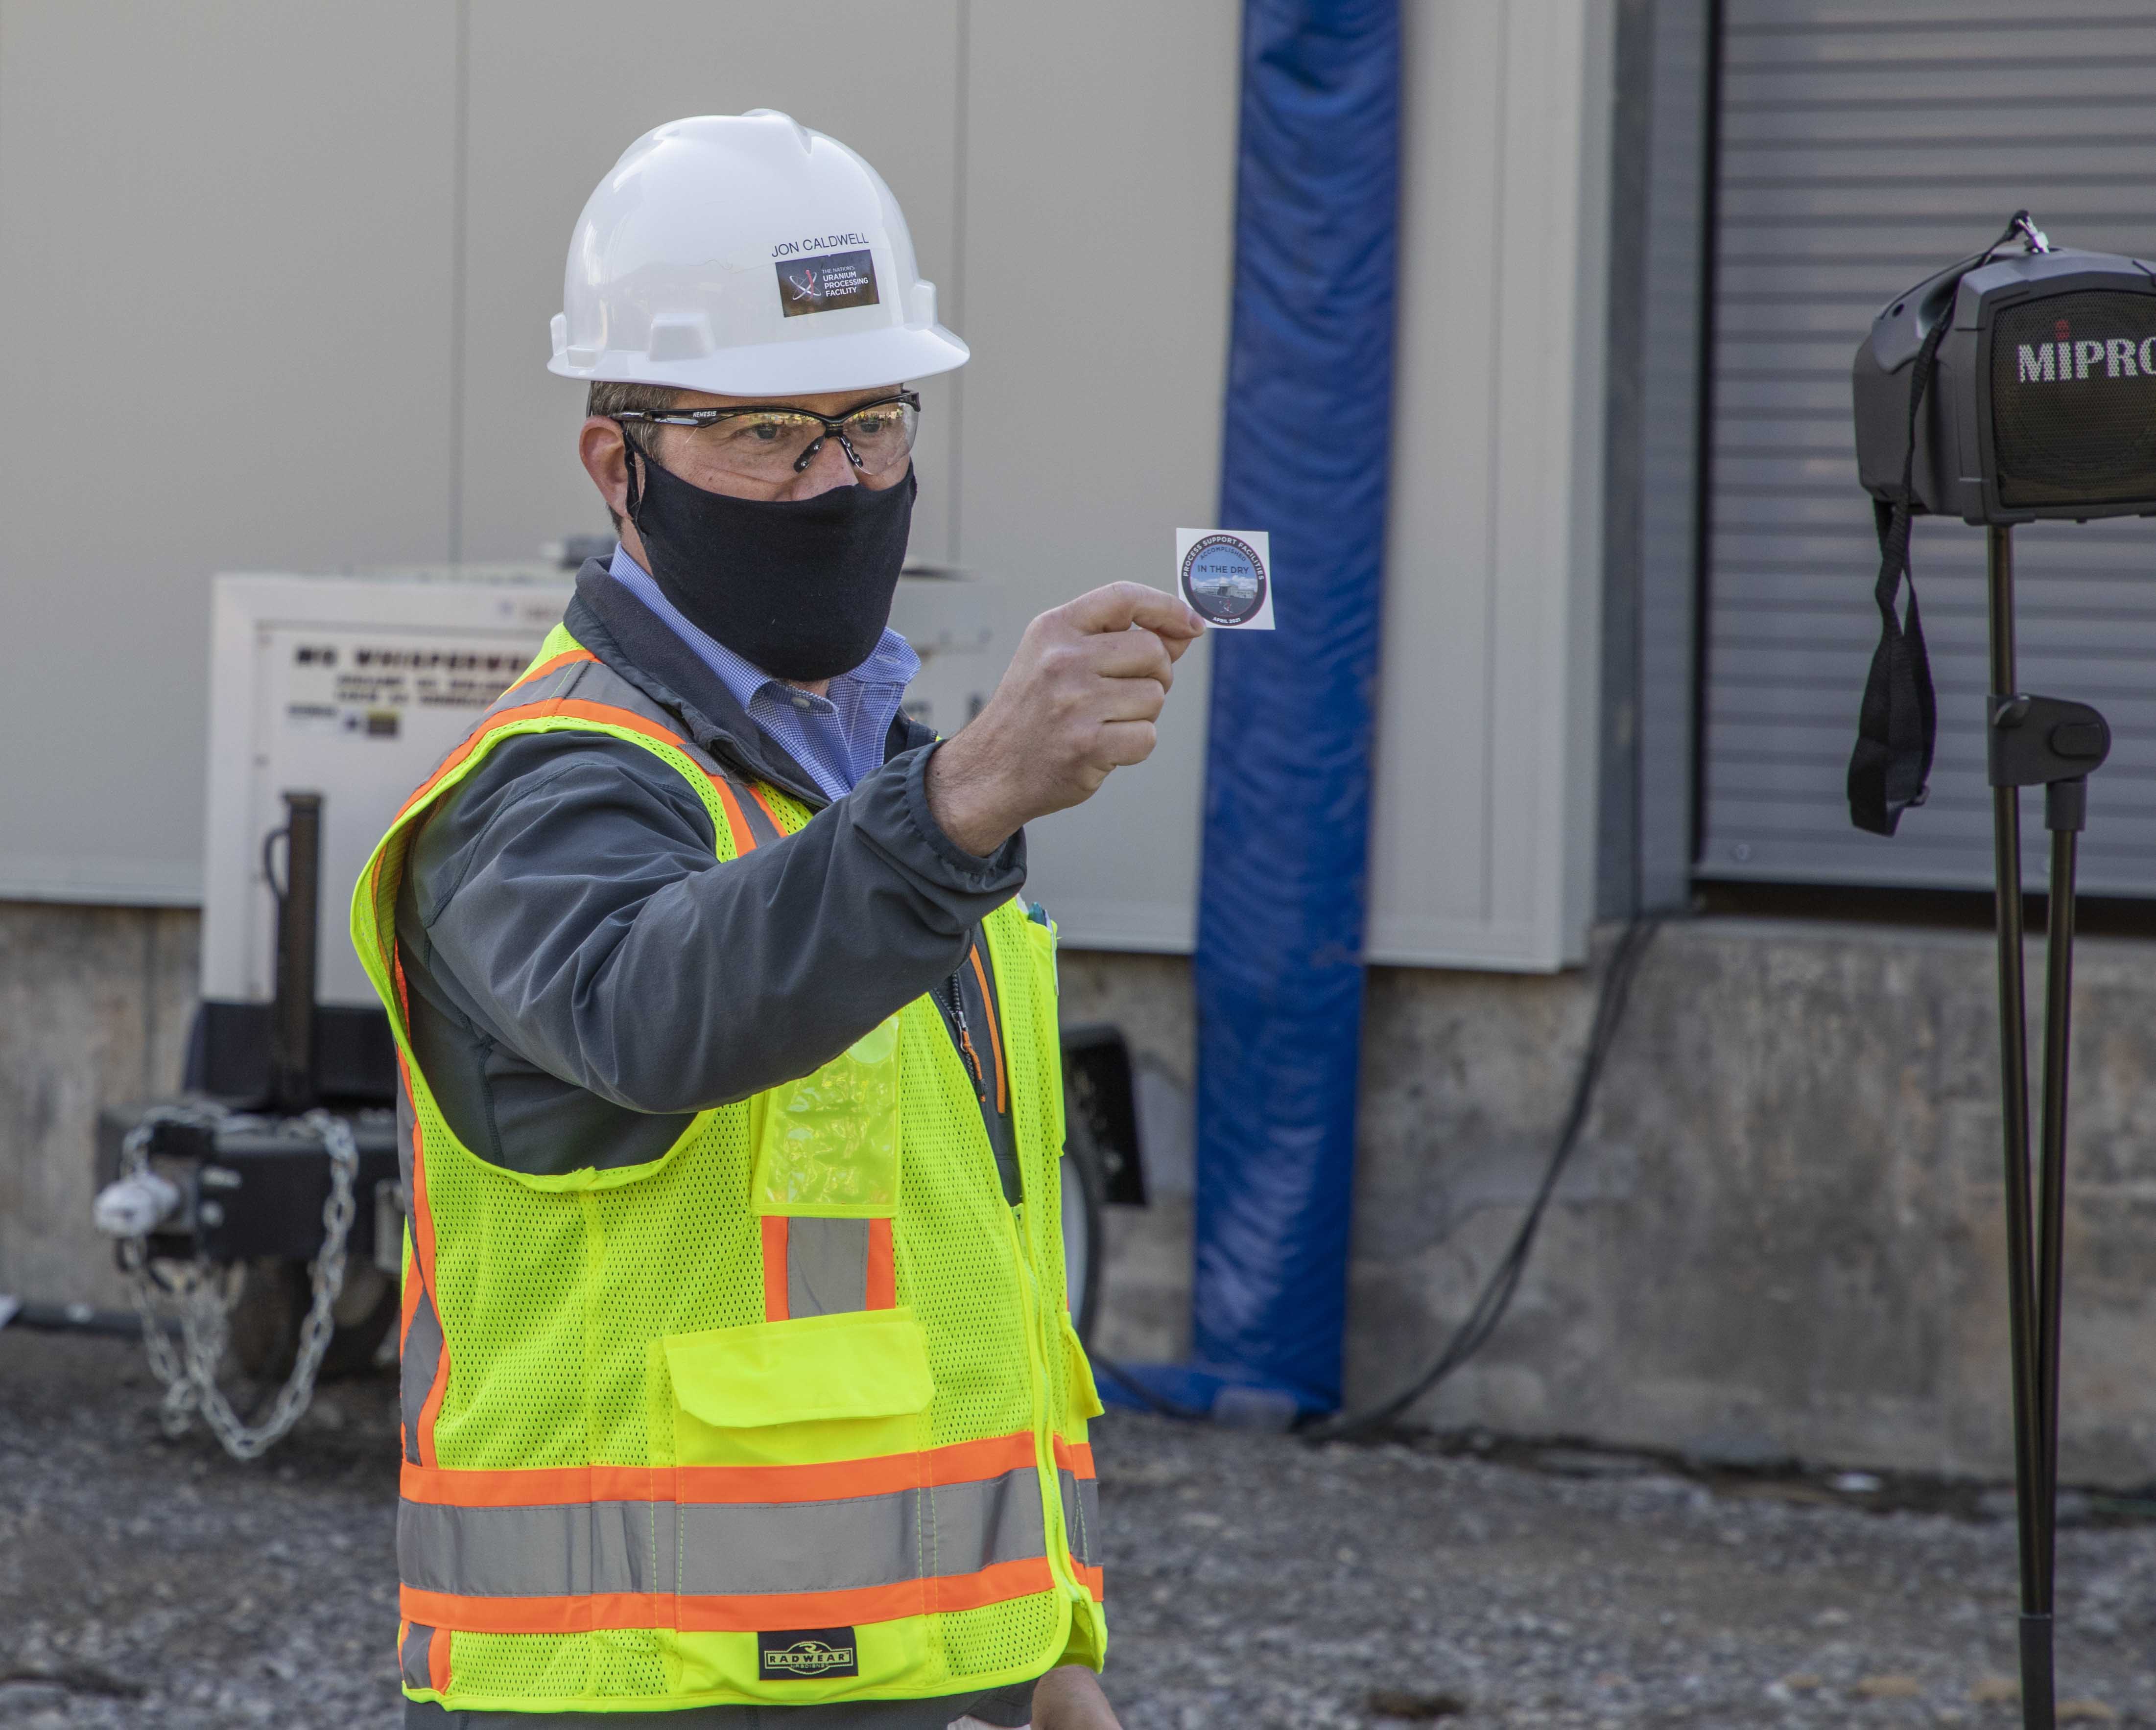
(1069, 1697)
(1079, 699)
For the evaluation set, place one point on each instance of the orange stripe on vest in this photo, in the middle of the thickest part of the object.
(423, 1249)
(960, 1462)
(736, 818)
(604, 714)
(747, 1614)
(882, 1292)
(565, 658)
(775, 1306)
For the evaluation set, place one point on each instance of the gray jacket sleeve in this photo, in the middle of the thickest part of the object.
(569, 896)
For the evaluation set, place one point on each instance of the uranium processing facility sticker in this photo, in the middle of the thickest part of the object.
(1223, 573)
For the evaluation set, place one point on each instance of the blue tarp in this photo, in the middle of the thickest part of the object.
(1307, 444)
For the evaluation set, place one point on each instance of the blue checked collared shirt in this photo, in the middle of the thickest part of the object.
(837, 739)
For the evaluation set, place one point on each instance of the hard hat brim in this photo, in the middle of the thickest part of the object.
(857, 361)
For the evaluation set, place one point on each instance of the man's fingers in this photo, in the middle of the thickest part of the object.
(1081, 695)
(1120, 606)
(1129, 654)
(1123, 743)
(1134, 699)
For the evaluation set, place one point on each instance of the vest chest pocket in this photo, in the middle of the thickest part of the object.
(828, 1146)
(813, 1390)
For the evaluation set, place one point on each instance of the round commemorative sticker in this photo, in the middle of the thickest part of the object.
(1225, 579)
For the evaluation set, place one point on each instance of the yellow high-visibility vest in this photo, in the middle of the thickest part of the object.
(792, 1413)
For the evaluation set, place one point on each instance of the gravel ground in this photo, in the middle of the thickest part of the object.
(1253, 1581)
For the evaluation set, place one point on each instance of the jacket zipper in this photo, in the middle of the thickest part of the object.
(955, 1000)
(951, 1000)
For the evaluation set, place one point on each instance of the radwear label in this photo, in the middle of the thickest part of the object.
(826, 282)
(803, 1654)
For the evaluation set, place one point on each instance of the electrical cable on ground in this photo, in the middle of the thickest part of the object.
(1496, 1295)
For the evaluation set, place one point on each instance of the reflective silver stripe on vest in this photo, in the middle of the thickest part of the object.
(404, 1121)
(762, 830)
(417, 1642)
(559, 683)
(827, 1266)
(1082, 1514)
(415, 1365)
(978, 1525)
(725, 1550)
(500, 1552)
(420, 1355)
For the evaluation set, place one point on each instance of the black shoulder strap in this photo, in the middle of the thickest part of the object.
(1891, 764)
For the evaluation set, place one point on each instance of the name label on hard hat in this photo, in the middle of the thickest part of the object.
(819, 243)
(824, 282)
(1224, 574)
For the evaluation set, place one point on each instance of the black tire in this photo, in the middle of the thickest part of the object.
(365, 1314)
(1084, 1184)
(265, 1325)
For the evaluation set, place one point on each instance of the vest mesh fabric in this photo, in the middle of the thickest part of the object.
(555, 1294)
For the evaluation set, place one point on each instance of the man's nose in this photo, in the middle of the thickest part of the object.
(829, 469)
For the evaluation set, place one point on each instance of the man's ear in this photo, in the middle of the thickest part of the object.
(604, 454)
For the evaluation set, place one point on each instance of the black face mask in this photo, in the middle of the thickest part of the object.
(801, 587)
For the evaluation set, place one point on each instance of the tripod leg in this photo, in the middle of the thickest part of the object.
(2037, 1697)
(2065, 802)
(2038, 1690)
(2031, 1498)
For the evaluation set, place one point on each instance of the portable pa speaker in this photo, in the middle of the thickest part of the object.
(2042, 398)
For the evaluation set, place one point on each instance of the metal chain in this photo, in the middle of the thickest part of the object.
(142, 1284)
(205, 1295)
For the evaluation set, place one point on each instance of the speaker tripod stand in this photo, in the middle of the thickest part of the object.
(2046, 742)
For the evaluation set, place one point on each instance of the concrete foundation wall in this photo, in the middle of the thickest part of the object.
(1145, 1312)
(1784, 1231)
(1781, 1234)
(94, 1007)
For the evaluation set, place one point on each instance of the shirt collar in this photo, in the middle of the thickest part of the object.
(891, 662)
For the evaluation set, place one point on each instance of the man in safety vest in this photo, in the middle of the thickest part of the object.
(737, 1373)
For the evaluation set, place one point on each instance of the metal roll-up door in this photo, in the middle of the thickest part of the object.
(1861, 147)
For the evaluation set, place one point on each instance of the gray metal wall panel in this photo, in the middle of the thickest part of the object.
(1617, 821)
(224, 277)
(1651, 557)
(1861, 147)
(1676, 198)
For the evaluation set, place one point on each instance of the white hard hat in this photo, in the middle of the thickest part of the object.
(747, 256)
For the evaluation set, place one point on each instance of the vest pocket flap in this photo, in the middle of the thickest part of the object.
(860, 1363)
(1085, 1397)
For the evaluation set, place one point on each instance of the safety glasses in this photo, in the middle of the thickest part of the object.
(771, 441)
